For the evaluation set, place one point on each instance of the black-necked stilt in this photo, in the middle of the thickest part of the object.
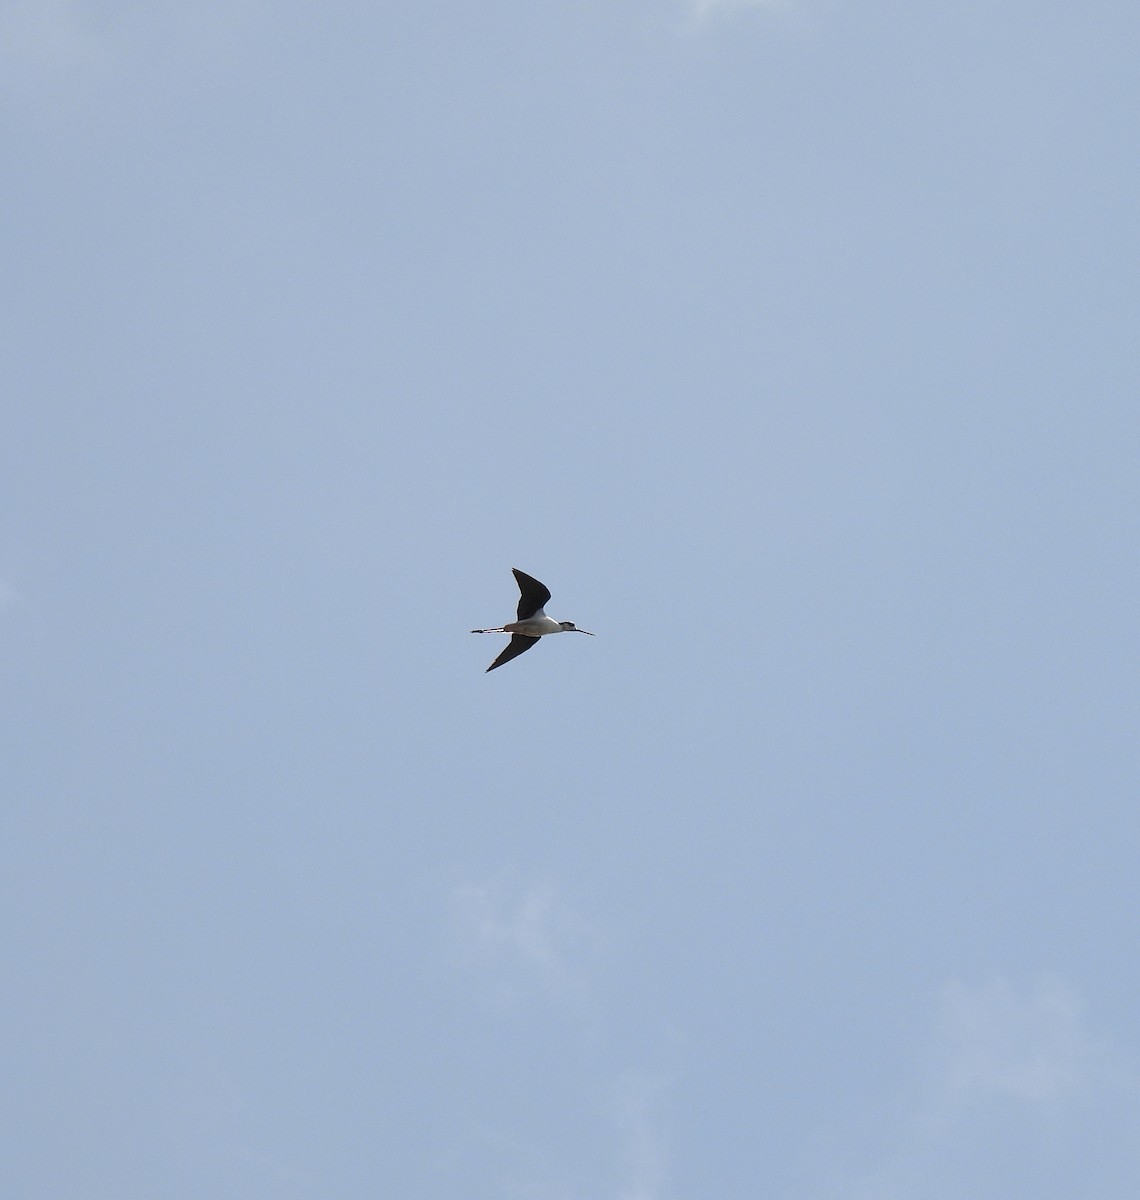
(532, 624)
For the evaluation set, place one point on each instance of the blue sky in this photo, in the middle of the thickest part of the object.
(793, 346)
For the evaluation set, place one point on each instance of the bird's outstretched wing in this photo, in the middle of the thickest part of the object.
(534, 595)
(518, 644)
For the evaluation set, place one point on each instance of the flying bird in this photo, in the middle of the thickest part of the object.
(532, 622)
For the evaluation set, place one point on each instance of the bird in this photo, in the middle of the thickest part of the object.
(532, 622)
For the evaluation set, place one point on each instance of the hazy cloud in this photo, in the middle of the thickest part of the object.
(521, 942)
(1008, 1062)
(39, 36)
(532, 942)
(700, 9)
(1030, 1045)
(638, 1100)
(63, 49)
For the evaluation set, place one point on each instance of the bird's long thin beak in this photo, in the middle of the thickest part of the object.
(586, 632)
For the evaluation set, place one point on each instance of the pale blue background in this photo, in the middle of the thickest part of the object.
(795, 348)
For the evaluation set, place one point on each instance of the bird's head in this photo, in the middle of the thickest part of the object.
(570, 627)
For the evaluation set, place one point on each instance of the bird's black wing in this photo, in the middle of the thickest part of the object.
(534, 594)
(518, 644)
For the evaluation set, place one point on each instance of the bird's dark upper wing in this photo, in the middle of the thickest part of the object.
(534, 594)
(518, 644)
